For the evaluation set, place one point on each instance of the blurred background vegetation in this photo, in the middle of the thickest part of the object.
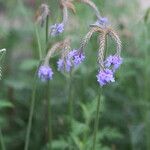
(125, 118)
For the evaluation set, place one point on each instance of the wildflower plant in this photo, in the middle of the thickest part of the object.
(107, 65)
(70, 58)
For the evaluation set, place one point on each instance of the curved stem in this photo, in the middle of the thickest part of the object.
(92, 5)
(30, 115)
(2, 140)
(97, 119)
(65, 15)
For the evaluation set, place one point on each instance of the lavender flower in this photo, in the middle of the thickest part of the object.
(64, 64)
(68, 65)
(60, 64)
(114, 61)
(73, 59)
(105, 76)
(102, 22)
(45, 73)
(78, 58)
(57, 29)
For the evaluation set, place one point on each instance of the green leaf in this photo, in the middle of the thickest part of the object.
(147, 14)
(59, 144)
(5, 104)
(18, 85)
(28, 64)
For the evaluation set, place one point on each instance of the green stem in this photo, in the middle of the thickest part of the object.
(146, 91)
(49, 116)
(30, 115)
(33, 94)
(2, 140)
(70, 100)
(97, 120)
(47, 25)
(39, 44)
(70, 103)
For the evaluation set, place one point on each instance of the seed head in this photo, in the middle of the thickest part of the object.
(42, 14)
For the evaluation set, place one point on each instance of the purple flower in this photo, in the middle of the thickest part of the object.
(76, 56)
(68, 65)
(105, 76)
(102, 22)
(114, 61)
(64, 64)
(45, 73)
(73, 59)
(71, 54)
(57, 29)
(60, 64)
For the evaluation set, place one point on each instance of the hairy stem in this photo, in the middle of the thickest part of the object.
(103, 44)
(2, 140)
(97, 120)
(92, 5)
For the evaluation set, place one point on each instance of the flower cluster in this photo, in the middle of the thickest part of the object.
(45, 73)
(56, 29)
(72, 59)
(105, 76)
(112, 63)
